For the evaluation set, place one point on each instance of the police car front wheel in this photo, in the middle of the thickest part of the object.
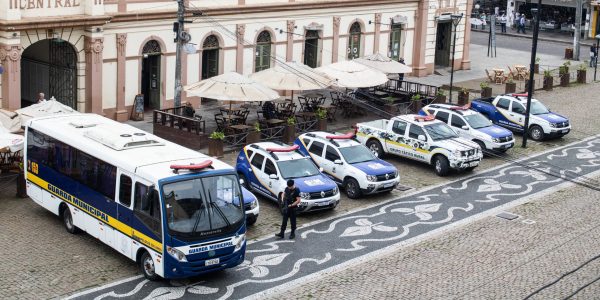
(441, 165)
(536, 133)
(352, 188)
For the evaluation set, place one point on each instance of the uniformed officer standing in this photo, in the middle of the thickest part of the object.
(289, 203)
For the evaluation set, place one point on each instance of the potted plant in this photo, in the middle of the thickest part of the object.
(440, 97)
(463, 96)
(416, 103)
(289, 134)
(548, 80)
(581, 73)
(254, 135)
(486, 90)
(563, 72)
(215, 143)
(511, 85)
(536, 66)
(389, 106)
(321, 119)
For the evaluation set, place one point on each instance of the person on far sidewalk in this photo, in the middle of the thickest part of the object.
(593, 55)
(521, 27)
(502, 20)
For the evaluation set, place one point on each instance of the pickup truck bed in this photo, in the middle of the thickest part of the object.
(376, 124)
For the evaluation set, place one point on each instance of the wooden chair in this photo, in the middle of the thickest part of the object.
(511, 72)
(489, 76)
(222, 124)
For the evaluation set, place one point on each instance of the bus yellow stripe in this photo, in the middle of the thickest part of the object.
(110, 221)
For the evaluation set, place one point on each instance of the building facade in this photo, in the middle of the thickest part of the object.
(97, 55)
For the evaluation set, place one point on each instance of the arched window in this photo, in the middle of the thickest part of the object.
(263, 51)
(312, 46)
(151, 47)
(210, 57)
(354, 41)
(395, 40)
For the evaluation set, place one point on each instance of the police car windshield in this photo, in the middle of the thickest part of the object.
(440, 131)
(538, 108)
(477, 121)
(200, 205)
(356, 154)
(297, 168)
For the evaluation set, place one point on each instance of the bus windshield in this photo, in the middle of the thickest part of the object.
(197, 206)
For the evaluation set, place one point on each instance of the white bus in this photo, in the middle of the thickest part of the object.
(176, 212)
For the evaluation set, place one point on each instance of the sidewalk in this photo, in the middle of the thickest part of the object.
(544, 35)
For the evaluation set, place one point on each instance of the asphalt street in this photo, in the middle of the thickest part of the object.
(519, 43)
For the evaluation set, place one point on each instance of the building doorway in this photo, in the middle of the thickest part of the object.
(443, 43)
(151, 74)
(49, 67)
(311, 48)
(210, 57)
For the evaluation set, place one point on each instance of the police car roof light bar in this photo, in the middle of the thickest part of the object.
(519, 95)
(284, 149)
(424, 118)
(464, 107)
(346, 136)
(192, 167)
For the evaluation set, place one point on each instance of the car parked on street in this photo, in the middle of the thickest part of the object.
(265, 168)
(349, 163)
(421, 138)
(472, 125)
(509, 111)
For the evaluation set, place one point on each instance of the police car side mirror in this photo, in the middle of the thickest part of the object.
(338, 162)
(320, 169)
(273, 176)
(242, 182)
(421, 138)
(465, 127)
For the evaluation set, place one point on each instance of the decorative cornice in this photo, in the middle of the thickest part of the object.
(94, 48)
(10, 53)
(336, 23)
(55, 22)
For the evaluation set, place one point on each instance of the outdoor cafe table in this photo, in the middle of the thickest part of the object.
(274, 122)
(498, 76)
(306, 115)
(230, 118)
(240, 127)
(231, 110)
(521, 72)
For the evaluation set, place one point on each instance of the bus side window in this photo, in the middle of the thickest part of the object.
(147, 209)
(125, 190)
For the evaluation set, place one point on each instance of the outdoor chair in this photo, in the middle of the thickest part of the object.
(513, 73)
(489, 76)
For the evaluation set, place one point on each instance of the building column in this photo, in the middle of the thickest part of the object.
(10, 57)
(420, 41)
(121, 113)
(93, 74)
(466, 60)
(335, 43)
(239, 60)
(289, 51)
(377, 33)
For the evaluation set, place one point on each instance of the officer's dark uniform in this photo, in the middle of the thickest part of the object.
(289, 197)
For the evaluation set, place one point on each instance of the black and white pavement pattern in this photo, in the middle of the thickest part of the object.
(273, 265)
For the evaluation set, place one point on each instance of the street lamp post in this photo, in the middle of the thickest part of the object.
(455, 21)
(596, 61)
(536, 16)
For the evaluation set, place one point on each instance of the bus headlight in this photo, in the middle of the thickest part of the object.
(178, 255)
(240, 242)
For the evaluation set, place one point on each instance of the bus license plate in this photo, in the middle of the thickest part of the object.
(211, 262)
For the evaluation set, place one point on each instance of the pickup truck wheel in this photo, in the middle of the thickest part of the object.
(441, 165)
(536, 133)
(375, 147)
(352, 188)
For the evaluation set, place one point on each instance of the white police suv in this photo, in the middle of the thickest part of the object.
(472, 125)
(266, 167)
(349, 163)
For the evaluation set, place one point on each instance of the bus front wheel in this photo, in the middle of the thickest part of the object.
(68, 221)
(147, 266)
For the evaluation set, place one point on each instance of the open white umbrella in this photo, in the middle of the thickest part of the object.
(349, 74)
(10, 120)
(292, 76)
(384, 64)
(10, 142)
(44, 108)
(232, 87)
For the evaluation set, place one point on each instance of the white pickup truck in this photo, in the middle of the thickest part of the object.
(422, 138)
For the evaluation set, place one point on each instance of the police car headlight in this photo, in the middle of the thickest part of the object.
(240, 242)
(371, 178)
(254, 204)
(457, 153)
(305, 195)
(335, 190)
(495, 140)
(178, 255)
(553, 125)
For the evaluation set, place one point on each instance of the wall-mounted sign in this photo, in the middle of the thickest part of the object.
(41, 4)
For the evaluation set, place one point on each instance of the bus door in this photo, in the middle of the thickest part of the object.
(124, 213)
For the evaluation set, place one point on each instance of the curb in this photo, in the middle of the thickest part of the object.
(582, 43)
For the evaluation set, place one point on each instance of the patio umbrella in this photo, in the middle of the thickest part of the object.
(231, 87)
(42, 109)
(292, 76)
(10, 142)
(10, 120)
(383, 63)
(349, 74)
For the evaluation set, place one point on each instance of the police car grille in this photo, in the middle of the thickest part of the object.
(562, 125)
(506, 139)
(317, 195)
(383, 177)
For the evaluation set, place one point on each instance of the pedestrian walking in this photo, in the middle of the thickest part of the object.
(516, 20)
(289, 203)
(401, 75)
(41, 98)
(482, 21)
(503, 23)
(593, 55)
(521, 27)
